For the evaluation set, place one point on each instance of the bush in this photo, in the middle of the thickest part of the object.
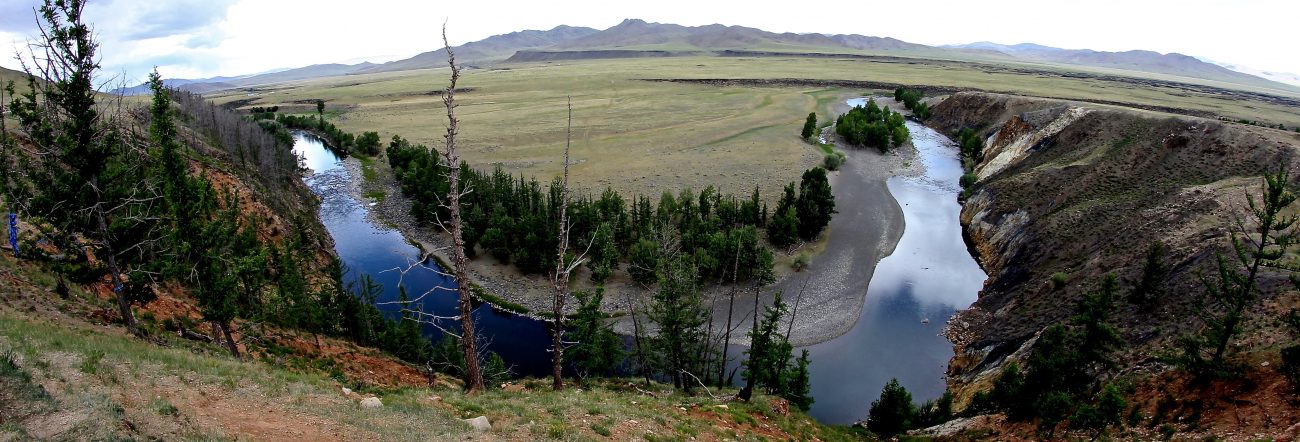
(834, 161)
(1058, 280)
(968, 179)
(801, 262)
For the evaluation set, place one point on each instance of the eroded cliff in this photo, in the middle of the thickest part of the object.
(1083, 190)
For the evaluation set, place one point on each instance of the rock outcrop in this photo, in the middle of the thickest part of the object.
(1083, 190)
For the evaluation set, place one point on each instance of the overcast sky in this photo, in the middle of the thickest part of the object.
(205, 38)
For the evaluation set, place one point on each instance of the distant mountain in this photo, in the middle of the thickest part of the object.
(494, 48)
(1280, 77)
(221, 83)
(633, 34)
(632, 38)
(1142, 61)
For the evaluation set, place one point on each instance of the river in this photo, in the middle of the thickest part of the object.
(377, 250)
(911, 295)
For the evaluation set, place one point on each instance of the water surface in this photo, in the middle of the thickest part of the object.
(912, 294)
(379, 251)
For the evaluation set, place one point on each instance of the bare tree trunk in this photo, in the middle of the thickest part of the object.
(748, 391)
(562, 269)
(731, 306)
(230, 340)
(790, 328)
(636, 339)
(473, 375)
(115, 273)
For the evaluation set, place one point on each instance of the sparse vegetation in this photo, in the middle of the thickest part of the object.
(1233, 289)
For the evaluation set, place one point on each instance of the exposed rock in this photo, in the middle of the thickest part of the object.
(479, 423)
(371, 402)
(1084, 190)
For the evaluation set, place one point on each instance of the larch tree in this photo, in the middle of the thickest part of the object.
(79, 145)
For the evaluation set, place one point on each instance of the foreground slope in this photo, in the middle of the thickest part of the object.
(66, 375)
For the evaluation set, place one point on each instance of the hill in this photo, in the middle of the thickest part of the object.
(1140, 61)
(494, 48)
(641, 35)
(638, 38)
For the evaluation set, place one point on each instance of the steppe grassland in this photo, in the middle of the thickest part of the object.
(647, 137)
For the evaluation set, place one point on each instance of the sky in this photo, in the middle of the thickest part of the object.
(206, 38)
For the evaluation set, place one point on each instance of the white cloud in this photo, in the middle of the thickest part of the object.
(225, 37)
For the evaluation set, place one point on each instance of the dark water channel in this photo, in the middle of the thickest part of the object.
(377, 250)
(912, 294)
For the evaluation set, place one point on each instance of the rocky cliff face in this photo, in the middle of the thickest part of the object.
(1083, 190)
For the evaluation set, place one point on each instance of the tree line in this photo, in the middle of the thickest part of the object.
(516, 220)
(911, 99)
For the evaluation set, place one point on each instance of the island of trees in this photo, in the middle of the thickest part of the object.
(872, 126)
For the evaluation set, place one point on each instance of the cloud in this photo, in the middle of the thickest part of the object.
(140, 20)
(18, 16)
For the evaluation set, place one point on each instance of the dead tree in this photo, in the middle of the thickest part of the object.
(473, 375)
(563, 268)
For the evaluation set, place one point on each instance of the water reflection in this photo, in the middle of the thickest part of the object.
(912, 293)
(380, 251)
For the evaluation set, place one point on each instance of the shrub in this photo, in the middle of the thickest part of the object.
(801, 262)
(968, 180)
(1058, 280)
(834, 161)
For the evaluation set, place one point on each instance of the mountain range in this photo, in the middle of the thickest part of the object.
(640, 38)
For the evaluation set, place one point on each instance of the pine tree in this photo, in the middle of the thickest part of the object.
(597, 350)
(799, 385)
(679, 312)
(768, 352)
(816, 203)
(603, 255)
(809, 126)
(1228, 296)
(893, 413)
(1150, 286)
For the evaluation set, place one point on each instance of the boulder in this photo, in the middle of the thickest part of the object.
(371, 402)
(479, 423)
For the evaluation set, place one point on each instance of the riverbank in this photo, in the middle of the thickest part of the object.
(865, 230)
